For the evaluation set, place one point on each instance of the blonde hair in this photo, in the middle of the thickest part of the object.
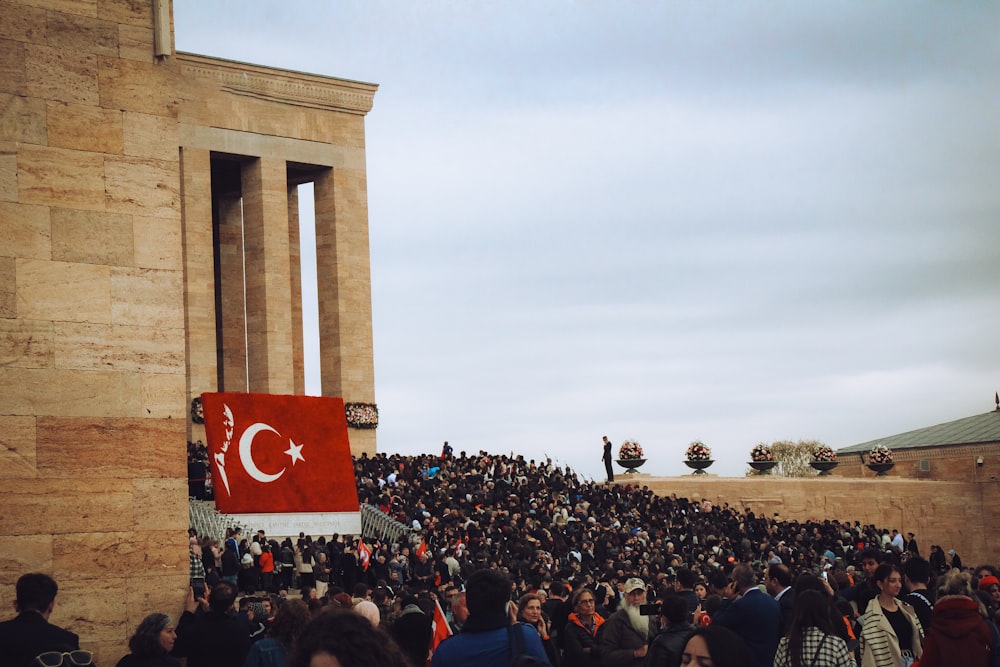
(955, 582)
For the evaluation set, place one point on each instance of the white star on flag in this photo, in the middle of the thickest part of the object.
(294, 451)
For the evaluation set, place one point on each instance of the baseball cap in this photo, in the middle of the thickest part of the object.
(634, 584)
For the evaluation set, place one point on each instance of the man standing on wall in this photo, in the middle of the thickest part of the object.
(607, 460)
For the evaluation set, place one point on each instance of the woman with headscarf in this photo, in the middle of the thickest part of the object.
(959, 632)
(151, 644)
(891, 635)
(369, 610)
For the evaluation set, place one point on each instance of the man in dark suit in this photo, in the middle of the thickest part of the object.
(30, 634)
(213, 638)
(752, 614)
(779, 586)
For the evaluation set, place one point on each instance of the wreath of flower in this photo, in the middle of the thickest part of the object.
(761, 452)
(698, 451)
(630, 450)
(880, 454)
(361, 415)
(824, 453)
(197, 411)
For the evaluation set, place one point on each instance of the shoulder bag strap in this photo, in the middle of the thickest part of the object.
(816, 654)
(515, 641)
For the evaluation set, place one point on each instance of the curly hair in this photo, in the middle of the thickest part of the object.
(146, 640)
(291, 619)
(348, 637)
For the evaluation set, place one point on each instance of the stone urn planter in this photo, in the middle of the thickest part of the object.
(630, 464)
(698, 465)
(763, 467)
(824, 467)
(880, 469)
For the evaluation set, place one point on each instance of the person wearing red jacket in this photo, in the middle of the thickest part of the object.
(959, 632)
(266, 563)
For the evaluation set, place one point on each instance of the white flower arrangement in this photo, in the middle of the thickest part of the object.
(698, 451)
(361, 415)
(630, 450)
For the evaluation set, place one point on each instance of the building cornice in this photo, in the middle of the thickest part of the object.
(280, 85)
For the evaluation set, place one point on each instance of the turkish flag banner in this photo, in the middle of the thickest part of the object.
(279, 454)
(439, 626)
(364, 555)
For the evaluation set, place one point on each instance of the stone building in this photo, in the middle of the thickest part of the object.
(135, 185)
(966, 450)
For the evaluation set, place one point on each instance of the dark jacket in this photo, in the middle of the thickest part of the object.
(666, 649)
(619, 639)
(29, 634)
(756, 618)
(161, 660)
(578, 639)
(212, 639)
(786, 605)
(958, 635)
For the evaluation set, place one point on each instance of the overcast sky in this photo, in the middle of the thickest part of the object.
(667, 221)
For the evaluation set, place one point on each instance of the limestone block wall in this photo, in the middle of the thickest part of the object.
(955, 515)
(108, 285)
(946, 463)
(92, 338)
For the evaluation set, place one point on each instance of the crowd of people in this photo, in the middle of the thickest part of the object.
(505, 552)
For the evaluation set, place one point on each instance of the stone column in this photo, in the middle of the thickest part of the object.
(343, 274)
(268, 276)
(232, 331)
(295, 253)
(199, 276)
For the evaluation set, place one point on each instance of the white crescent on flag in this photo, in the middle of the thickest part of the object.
(246, 455)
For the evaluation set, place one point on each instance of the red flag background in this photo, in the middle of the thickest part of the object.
(279, 453)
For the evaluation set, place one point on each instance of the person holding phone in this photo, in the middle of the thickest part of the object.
(626, 636)
(529, 611)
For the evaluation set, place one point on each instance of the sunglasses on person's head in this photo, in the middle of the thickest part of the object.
(57, 659)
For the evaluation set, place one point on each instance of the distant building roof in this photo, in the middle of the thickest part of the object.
(969, 431)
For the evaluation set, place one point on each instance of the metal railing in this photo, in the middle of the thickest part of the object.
(207, 520)
(376, 523)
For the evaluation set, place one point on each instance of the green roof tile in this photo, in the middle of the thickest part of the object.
(969, 431)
